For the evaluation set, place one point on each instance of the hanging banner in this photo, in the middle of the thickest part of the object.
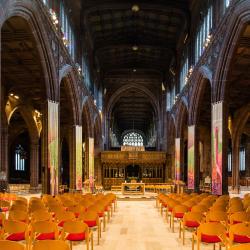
(217, 123)
(191, 156)
(53, 115)
(91, 164)
(78, 133)
(177, 159)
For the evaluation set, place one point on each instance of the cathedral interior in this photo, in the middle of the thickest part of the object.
(115, 108)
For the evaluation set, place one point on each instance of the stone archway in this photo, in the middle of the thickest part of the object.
(24, 85)
(137, 92)
(200, 117)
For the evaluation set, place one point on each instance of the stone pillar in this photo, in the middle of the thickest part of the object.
(235, 167)
(34, 165)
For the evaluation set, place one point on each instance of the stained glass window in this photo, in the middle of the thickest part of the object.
(20, 156)
(133, 139)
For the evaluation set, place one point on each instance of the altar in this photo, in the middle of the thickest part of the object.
(133, 188)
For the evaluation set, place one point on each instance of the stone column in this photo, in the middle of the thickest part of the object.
(34, 165)
(235, 168)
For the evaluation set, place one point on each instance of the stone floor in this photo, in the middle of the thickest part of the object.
(137, 225)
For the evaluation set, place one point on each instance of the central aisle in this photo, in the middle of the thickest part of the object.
(137, 225)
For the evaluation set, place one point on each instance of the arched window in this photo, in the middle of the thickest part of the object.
(20, 157)
(132, 139)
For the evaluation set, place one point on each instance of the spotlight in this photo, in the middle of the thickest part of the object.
(135, 8)
(11, 94)
(135, 48)
(16, 96)
(134, 70)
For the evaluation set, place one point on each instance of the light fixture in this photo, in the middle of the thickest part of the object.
(134, 70)
(163, 87)
(16, 97)
(54, 17)
(135, 8)
(207, 41)
(135, 48)
(11, 94)
(190, 71)
(65, 41)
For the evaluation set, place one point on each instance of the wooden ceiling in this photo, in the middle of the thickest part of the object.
(134, 47)
(21, 64)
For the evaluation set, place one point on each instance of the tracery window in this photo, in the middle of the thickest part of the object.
(20, 158)
(229, 162)
(203, 33)
(226, 3)
(183, 74)
(69, 37)
(133, 139)
(242, 159)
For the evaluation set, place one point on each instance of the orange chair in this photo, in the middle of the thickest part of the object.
(210, 233)
(77, 210)
(239, 217)
(41, 215)
(91, 218)
(217, 216)
(99, 209)
(239, 233)
(4, 205)
(19, 207)
(15, 231)
(235, 208)
(36, 206)
(199, 209)
(63, 216)
(190, 204)
(240, 247)
(10, 245)
(43, 230)
(178, 213)
(191, 220)
(50, 245)
(77, 231)
(2, 219)
(18, 215)
(171, 204)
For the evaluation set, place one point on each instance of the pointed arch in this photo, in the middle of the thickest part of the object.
(27, 10)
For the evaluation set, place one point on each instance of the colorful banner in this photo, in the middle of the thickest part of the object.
(191, 156)
(217, 123)
(91, 165)
(53, 139)
(78, 133)
(177, 159)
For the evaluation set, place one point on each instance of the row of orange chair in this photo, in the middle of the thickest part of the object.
(212, 219)
(39, 245)
(71, 217)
